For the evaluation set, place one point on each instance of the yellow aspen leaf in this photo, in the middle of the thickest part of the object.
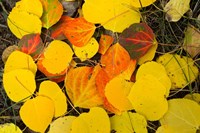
(19, 84)
(180, 69)
(116, 91)
(147, 96)
(27, 5)
(195, 97)
(20, 60)
(81, 87)
(104, 43)
(142, 3)
(54, 92)
(129, 71)
(62, 125)
(165, 129)
(149, 55)
(37, 113)
(52, 12)
(95, 121)
(158, 71)
(129, 122)
(115, 60)
(87, 51)
(22, 23)
(114, 15)
(182, 116)
(9, 128)
(175, 9)
(55, 60)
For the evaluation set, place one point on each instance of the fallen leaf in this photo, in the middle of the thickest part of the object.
(91, 122)
(9, 128)
(182, 116)
(180, 69)
(20, 60)
(158, 71)
(82, 89)
(35, 115)
(147, 96)
(142, 3)
(115, 60)
(127, 74)
(195, 97)
(21, 23)
(87, 51)
(19, 84)
(52, 12)
(54, 92)
(128, 122)
(6, 53)
(116, 92)
(137, 40)
(175, 9)
(31, 44)
(55, 60)
(104, 43)
(79, 31)
(112, 15)
(191, 41)
(62, 125)
(27, 6)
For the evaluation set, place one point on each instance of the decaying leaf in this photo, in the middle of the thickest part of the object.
(87, 51)
(6, 53)
(158, 71)
(9, 128)
(147, 96)
(180, 69)
(21, 23)
(62, 125)
(113, 15)
(55, 60)
(182, 116)
(175, 9)
(115, 60)
(81, 87)
(95, 121)
(192, 41)
(104, 43)
(31, 44)
(128, 122)
(37, 113)
(137, 40)
(52, 12)
(54, 92)
(19, 84)
(20, 60)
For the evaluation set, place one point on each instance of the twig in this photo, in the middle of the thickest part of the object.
(4, 9)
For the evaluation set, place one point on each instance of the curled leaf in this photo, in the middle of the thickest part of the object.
(6, 53)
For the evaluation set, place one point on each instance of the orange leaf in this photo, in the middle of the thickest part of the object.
(104, 43)
(81, 88)
(115, 60)
(78, 31)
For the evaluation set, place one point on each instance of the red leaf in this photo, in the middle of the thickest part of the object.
(137, 39)
(31, 44)
(104, 43)
(115, 60)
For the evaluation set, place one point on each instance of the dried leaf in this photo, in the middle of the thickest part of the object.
(6, 53)
(137, 40)
(82, 89)
(52, 12)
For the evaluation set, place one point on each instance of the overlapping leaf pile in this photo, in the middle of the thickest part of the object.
(108, 85)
